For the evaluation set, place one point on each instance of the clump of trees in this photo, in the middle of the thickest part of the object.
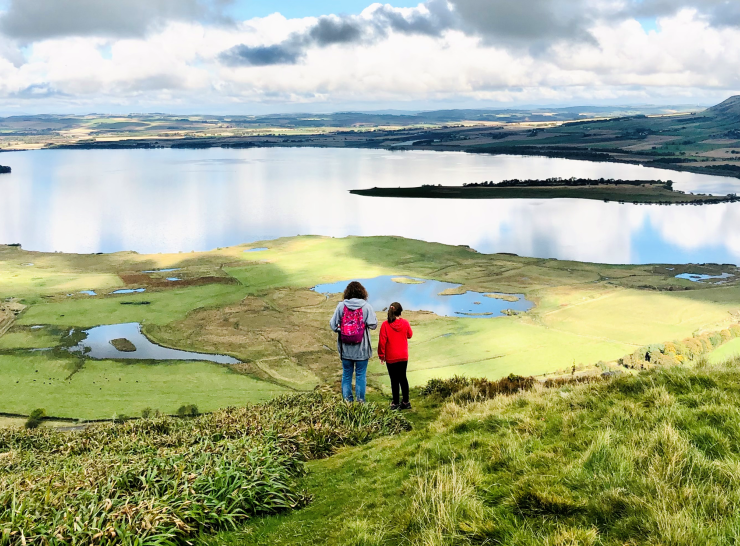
(573, 181)
(188, 410)
(36, 418)
(679, 352)
(4, 170)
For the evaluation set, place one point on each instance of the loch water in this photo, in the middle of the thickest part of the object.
(171, 200)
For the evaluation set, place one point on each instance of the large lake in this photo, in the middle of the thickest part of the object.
(171, 200)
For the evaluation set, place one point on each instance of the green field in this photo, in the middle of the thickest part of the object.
(99, 389)
(728, 351)
(258, 307)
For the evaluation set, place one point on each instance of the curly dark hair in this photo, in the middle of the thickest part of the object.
(355, 290)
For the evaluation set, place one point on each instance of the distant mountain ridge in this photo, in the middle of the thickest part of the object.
(729, 108)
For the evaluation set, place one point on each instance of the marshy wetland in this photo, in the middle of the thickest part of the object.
(261, 310)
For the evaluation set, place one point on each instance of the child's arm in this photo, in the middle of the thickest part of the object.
(381, 342)
(409, 332)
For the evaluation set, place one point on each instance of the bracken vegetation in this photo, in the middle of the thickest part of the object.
(165, 480)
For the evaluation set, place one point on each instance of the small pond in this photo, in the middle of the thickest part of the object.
(129, 291)
(425, 295)
(97, 345)
(162, 270)
(174, 279)
(696, 277)
(88, 292)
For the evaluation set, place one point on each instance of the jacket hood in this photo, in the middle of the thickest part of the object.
(398, 324)
(355, 303)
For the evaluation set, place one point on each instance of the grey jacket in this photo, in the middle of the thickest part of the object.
(361, 351)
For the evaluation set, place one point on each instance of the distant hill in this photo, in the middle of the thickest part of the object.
(728, 109)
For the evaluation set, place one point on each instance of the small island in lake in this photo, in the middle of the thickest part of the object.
(623, 191)
(124, 345)
(4, 170)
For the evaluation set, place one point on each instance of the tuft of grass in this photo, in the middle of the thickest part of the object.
(165, 480)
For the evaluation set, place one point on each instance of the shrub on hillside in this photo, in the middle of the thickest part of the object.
(36, 418)
(463, 389)
(188, 410)
(166, 480)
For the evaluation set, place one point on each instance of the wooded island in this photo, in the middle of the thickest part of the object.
(623, 191)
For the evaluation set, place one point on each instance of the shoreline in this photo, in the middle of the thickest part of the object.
(574, 154)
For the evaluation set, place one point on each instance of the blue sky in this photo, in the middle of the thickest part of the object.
(247, 9)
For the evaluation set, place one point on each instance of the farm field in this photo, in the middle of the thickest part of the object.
(258, 308)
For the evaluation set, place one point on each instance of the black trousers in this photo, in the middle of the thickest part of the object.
(397, 373)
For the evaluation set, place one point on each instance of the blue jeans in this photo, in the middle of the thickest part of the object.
(359, 367)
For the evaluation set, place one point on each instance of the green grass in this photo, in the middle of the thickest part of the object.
(26, 338)
(165, 306)
(498, 347)
(102, 389)
(729, 350)
(645, 459)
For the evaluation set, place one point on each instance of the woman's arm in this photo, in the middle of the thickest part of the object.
(409, 332)
(336, 319)
(371, 321)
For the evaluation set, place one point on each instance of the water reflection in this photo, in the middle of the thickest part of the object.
(425, 295)
(180, 200)
(97, 344)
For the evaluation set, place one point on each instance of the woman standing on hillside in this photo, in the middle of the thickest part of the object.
(352, 320)
(393, 349)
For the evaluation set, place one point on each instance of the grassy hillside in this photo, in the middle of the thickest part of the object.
(645, 459)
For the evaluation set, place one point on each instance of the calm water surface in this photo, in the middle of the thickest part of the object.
(97, 344)
(181, 200)
(426, 296)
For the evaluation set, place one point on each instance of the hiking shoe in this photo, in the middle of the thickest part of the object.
(405, 405)
(395, 407)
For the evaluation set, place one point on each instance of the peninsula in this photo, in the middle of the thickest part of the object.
(4, 170)
(623, 191)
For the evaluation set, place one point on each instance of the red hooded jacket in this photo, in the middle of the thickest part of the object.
(394, 341)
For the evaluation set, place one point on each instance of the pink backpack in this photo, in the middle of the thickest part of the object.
(352, 329)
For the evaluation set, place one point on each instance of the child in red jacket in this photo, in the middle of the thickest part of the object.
(393, 349)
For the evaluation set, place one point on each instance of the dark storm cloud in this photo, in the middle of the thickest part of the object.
(334, 30)
(331, 30)
(29, 20)
(438, 19)
(718, 13)
(527, 23)
(533, 24)
(242, 55)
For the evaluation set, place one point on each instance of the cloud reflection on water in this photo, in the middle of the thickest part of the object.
(182, 200)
